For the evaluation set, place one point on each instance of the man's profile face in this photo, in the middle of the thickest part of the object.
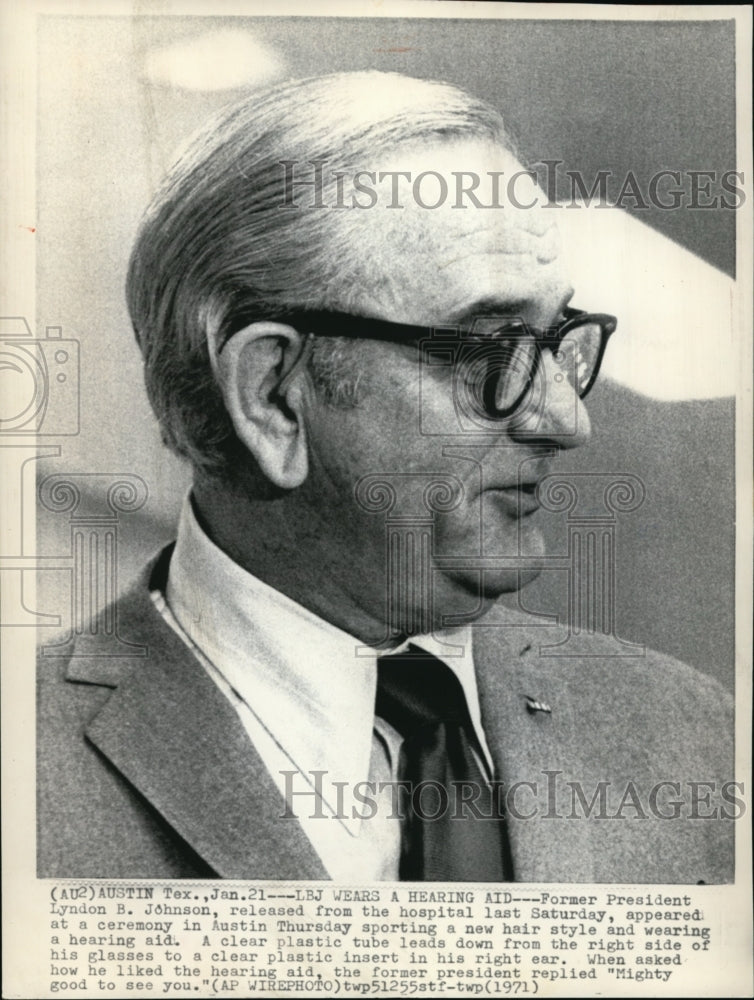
(471, 267)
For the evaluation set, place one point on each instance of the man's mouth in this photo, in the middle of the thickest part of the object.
(521, 499)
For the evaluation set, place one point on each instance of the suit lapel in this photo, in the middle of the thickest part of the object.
(175, 737)
(535, 752)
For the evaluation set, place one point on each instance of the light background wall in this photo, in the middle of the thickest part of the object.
(597, 95)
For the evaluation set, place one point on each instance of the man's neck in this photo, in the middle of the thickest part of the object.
(276, 541)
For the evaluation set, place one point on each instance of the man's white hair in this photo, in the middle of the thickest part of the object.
(218, 248)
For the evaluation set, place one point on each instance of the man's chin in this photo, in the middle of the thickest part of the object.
(466, 595)
(489, 584)
(489, 577)
(495, 584)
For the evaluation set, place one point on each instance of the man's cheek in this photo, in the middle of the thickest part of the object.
(518, 542)
(460, 531)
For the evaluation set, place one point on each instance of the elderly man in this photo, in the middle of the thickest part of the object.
(352, 307)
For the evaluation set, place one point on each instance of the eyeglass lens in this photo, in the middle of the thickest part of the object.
(503, 370)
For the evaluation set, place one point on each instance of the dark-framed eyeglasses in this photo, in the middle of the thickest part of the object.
(498, 360)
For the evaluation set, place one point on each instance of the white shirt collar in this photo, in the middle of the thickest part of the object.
(311, 685)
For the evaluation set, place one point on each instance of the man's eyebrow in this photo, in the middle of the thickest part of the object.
(489, 307)
(493, 306)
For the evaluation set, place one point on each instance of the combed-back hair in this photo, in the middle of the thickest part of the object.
(218, 247)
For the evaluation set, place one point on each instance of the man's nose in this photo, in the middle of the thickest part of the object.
(555, 414)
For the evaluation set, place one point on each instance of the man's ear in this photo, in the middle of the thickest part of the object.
(264, 389)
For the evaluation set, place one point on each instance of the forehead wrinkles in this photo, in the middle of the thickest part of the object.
(444, 236)
(522, 245)
(430, 250)
(506, 230)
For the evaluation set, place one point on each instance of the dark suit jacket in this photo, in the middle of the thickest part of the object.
(145, 770)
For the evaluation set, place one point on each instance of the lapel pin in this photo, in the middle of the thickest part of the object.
(534, 705)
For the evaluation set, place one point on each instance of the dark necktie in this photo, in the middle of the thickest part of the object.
(452, 829)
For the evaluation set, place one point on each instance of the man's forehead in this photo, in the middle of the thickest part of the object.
(526, 238)
(459, 249)
(465, 187)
